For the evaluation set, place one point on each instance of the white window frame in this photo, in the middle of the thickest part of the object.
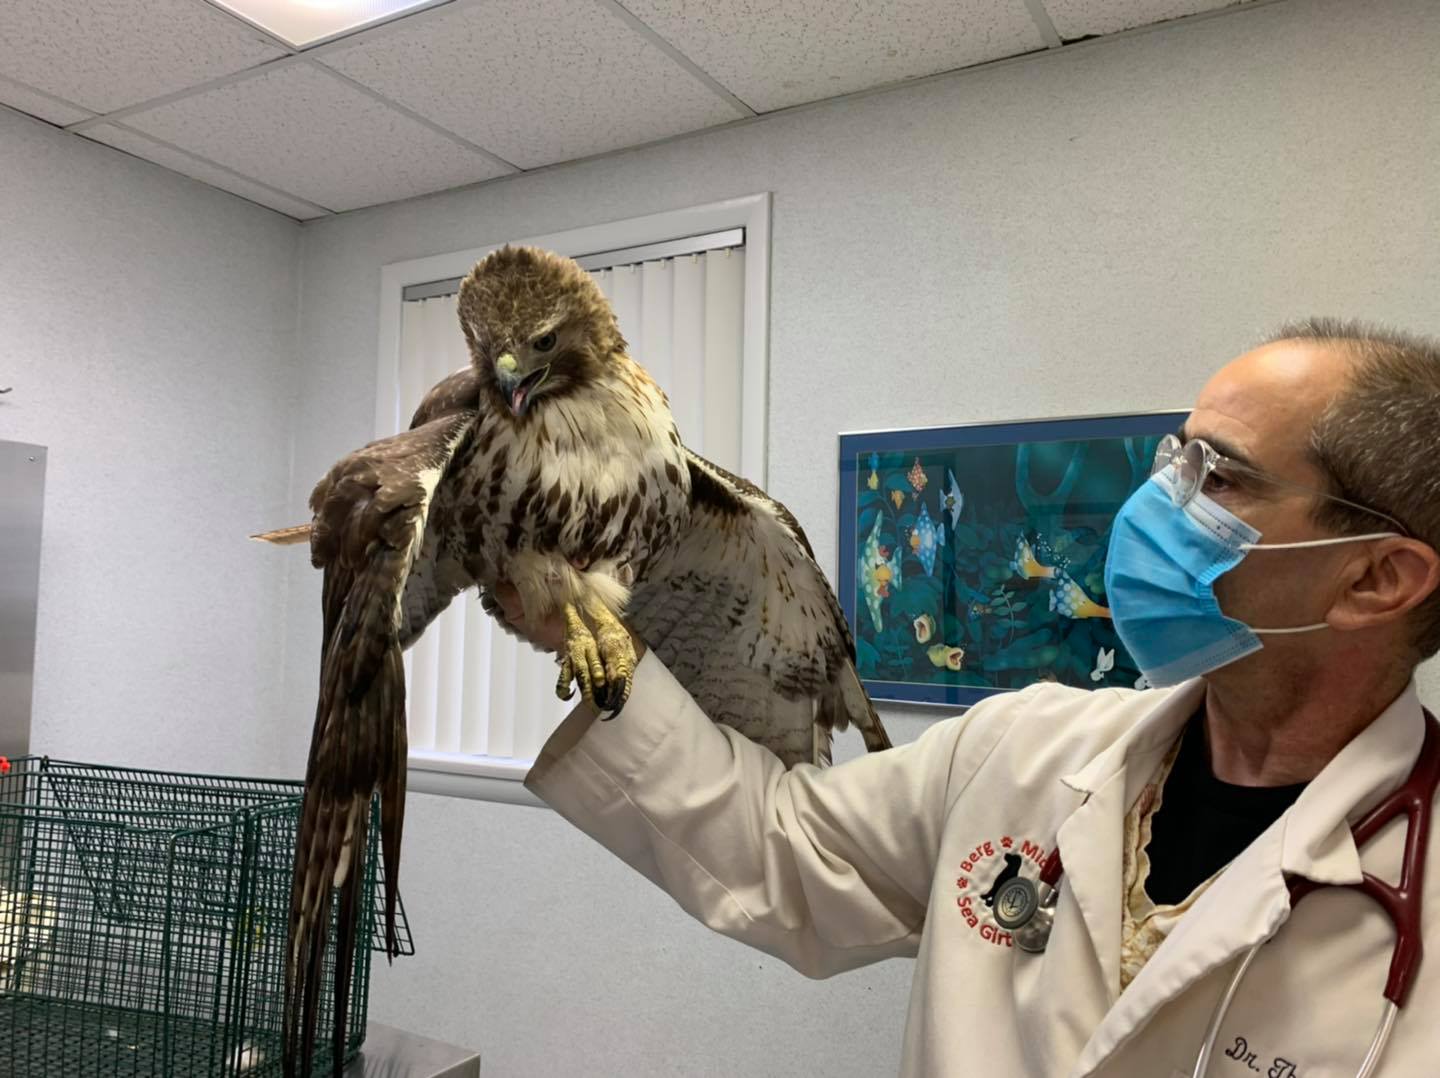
(443, 773)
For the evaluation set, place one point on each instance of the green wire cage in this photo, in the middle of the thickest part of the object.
(143, 917)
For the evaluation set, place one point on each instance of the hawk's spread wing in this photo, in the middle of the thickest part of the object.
(368, 534)
(741, 614)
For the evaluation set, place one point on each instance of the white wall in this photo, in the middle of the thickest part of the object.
(147, 326)
(1091, 231)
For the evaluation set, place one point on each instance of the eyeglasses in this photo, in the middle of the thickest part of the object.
(1195, 460)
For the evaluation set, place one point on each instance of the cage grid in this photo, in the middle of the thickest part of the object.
(143, 917)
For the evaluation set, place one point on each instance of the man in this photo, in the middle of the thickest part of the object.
(1309, 482)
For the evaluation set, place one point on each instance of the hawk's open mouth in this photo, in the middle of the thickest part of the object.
(520, 395)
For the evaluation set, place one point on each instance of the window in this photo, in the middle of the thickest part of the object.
(480, 703)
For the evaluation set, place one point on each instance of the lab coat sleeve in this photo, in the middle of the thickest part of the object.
(827, 869)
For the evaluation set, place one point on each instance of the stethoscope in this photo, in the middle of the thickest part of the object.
(1026, 909)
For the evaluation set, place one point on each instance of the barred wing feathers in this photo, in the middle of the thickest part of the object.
(382, 585)
(739, 611)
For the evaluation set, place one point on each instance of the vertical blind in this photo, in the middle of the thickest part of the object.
(475, 693)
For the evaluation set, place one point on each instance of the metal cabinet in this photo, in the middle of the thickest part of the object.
(22, 496)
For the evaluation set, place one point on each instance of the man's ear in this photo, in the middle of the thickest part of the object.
(1389, 580)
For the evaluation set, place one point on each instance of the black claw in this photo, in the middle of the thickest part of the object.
(612, 699)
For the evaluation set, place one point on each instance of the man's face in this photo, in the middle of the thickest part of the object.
(1259, 410)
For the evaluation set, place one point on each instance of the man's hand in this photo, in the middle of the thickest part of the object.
(547, 635)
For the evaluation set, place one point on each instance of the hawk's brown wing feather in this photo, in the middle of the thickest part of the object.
(368, 531)
(740, 612)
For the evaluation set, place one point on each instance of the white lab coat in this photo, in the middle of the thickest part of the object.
(891, 854)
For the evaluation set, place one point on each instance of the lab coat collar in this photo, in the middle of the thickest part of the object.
(1318, 843)
(1245, 905)
(1132, 752)
(1250, 900)
(1092, 836)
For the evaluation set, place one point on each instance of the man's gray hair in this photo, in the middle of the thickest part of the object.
(1378, 441)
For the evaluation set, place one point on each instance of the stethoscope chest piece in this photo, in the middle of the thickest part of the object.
(1028, 915)
(1026, 908)
(1015, 903)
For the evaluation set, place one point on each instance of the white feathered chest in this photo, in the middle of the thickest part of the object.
(594, 481)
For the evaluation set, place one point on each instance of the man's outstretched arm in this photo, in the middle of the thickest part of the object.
(827, 869)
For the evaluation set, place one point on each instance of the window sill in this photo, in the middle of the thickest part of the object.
(480, 778)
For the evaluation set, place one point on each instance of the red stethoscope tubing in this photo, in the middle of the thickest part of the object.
(1415, 798)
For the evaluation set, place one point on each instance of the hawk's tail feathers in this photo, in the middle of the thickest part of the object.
(854, 705)
(300, 533)
(820, 751)
(845, 701)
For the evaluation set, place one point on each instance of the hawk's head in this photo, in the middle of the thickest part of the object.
(537, 326)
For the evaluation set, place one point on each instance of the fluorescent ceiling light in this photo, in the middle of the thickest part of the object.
(302, 23)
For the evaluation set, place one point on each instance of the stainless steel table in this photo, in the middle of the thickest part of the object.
(392, 1053)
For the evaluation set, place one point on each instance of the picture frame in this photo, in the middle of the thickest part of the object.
(972, 556)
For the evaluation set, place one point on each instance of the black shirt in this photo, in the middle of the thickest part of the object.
(1203, 823)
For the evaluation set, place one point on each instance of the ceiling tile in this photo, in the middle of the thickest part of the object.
(19, 96)
(1085, 18)
(106, 54)
(535, 82)
(304, 131)
(141, 146)
(774, 53)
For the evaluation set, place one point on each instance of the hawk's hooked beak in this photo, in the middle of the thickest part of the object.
(517, 390)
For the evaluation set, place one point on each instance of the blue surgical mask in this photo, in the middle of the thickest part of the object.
(1160, 575)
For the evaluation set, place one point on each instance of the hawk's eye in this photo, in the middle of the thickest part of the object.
(545, 343)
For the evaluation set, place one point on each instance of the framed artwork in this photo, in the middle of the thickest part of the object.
(972, 558)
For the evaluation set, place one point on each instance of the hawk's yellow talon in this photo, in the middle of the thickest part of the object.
(617, 653)
(600, 660)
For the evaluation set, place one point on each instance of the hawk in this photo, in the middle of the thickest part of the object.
(550, 462)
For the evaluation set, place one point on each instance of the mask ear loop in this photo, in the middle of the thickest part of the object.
(1321, 542)
(1307, 544)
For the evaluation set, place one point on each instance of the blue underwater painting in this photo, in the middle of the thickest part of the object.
(972, 559)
